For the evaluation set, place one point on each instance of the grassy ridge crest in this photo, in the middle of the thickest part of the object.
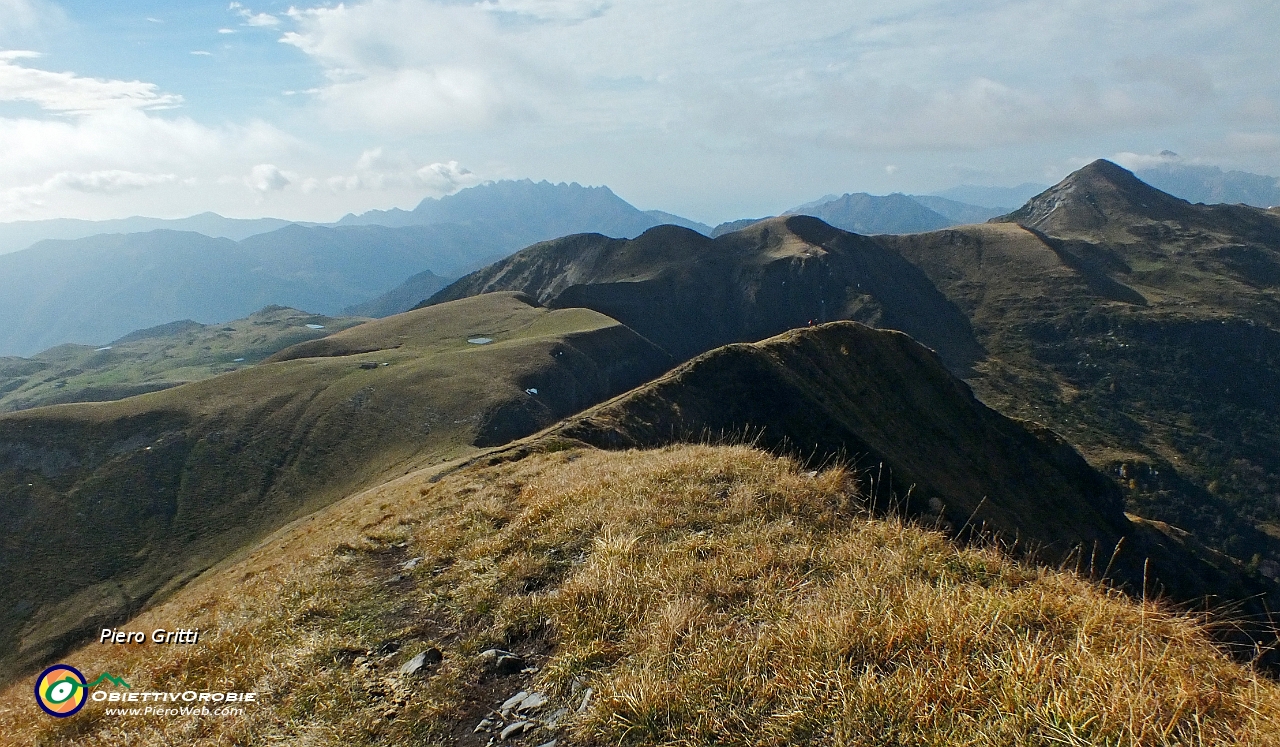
(707, 595)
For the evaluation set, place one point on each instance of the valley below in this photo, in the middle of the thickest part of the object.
(1015, 482)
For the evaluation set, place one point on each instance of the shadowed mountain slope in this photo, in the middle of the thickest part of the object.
(689, 293)
(918, 439)
(140, 495)
(891, 408)
(1144, 329)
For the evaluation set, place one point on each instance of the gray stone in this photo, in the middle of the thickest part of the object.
(518, 727)
(409, 565)
(586, 699)
(532, 702)
(501, 662)
(424, 659)
(513, 701)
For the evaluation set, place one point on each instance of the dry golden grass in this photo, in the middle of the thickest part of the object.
(707, 595)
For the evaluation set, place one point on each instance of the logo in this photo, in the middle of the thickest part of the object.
(61, 690)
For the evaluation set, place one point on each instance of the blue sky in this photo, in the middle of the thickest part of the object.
(715, 110)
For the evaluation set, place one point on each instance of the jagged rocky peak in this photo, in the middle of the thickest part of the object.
(1093, 197)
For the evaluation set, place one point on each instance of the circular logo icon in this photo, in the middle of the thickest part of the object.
(60, 690)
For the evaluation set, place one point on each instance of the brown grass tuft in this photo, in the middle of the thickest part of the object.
(706, 594)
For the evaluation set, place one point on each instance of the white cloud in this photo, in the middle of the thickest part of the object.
(445, 178)
(72, 94)
(107, 182)
(266, 177)
(558, 10)
(202, 53)
(668, 101)
(379, 169)
(260, 20)
(26, 15)
(435, 100)
(44, 164)
(918, 74)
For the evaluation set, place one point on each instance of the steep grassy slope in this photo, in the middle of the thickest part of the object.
(155, 358)
(1144, 329)
(135, 497)
(688, 293)
(882, 403)
(688, 596)
(888, 408)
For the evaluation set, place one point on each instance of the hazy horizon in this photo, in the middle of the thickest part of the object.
(713, 111)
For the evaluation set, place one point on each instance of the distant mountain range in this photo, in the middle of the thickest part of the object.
(537, 209)
(1103, 315)
(22, 234)
(1138, 325)
(93, 289)
(874, 214)
(1210, 184)
(868, 214)
(1000, 198)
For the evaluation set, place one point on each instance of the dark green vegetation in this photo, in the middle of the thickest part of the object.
(155, 358)
(110, 505)
(1140, 327)
(688, 293)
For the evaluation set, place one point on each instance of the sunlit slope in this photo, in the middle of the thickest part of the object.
(683, 596)
(110, 503)
(156, 358)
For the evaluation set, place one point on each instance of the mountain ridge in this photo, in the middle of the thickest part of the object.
(743, 286)
(145, 493)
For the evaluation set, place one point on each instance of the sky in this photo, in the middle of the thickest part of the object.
(715, 109)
